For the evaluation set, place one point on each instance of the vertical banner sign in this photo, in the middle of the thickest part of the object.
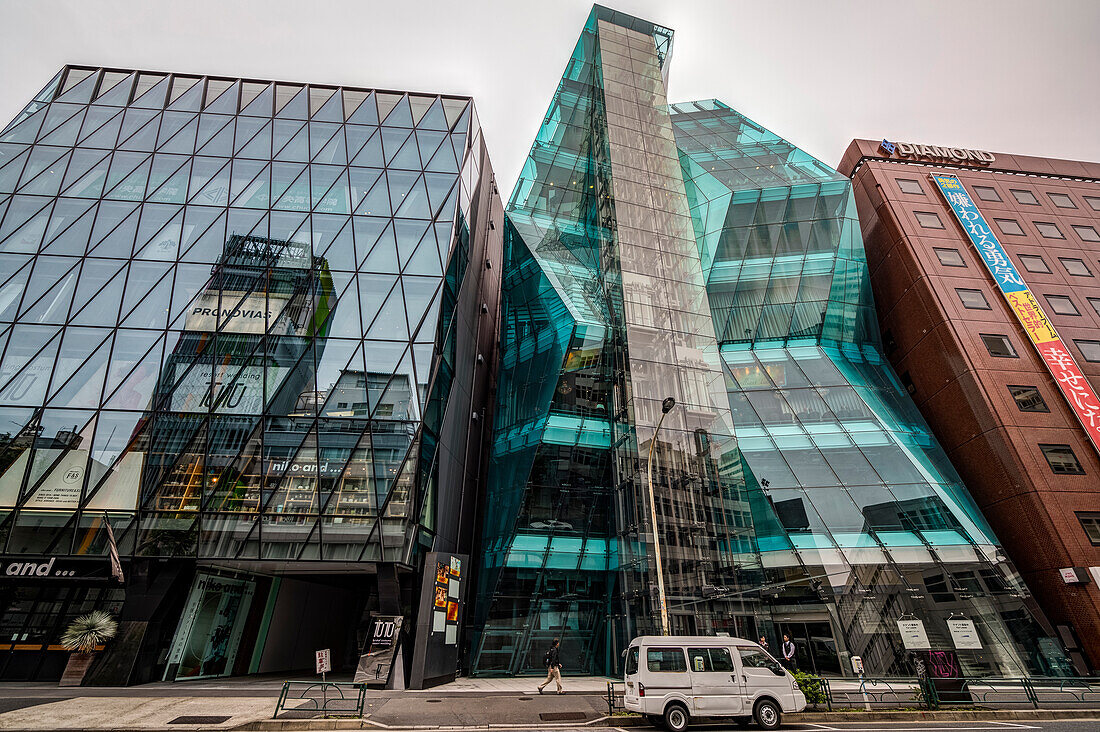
(1059, 361)
(375, 665)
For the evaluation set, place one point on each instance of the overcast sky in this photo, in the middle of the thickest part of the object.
(1002, 75)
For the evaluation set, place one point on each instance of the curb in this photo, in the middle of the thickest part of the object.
(961, 715)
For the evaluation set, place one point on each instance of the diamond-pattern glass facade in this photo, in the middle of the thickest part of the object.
(228, 315)
(655, 251)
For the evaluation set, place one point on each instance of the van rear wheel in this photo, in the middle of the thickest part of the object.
(767, 714)
(676, 718)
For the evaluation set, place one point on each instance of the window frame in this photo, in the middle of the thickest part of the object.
(1024, 260)
(1077, 230)
(1016, 194)
(1078, 341)
(917, 215)
(710, 650)
(1063, 260)
(914, 181)
(1054, 201)
(1012, 348)
(1082, 516)
(1043, 448)
(1039, 227)
(1051, 300)
(961, 263)
(963, 292)
(1038, 394)
(1095, 302)
(996, 196)
(1093, 202)
(652, 670)
(1000, 225)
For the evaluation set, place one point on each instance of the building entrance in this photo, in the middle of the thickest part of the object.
(209, 632)
(815, 647)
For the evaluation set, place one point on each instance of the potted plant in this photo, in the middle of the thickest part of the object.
(83, 637)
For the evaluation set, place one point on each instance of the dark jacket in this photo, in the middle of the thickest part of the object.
(554, 661)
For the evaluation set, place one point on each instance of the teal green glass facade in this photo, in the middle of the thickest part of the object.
(655, 251)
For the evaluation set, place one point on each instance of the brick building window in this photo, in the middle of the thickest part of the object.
(987, 193)
(1062, 305)
(1061, 459)
(1049, 230)
(1090, 350)
(1075, 267)
(928, 219)
(998, 345)
(1010, 227)
(972, 299)
(1061, 200)
(1095, 302)
(1028, 399)
(908, 185)
(1087, 233)
(1025, 197)
(949, 257)
(1093, 202)
(1034, 263)
(1090, 522)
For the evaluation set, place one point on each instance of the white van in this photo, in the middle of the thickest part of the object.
(671, 679)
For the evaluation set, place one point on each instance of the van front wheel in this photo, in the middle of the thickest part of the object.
(676, 718)
(767, 714)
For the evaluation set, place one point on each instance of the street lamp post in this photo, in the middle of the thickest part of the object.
(666, 407)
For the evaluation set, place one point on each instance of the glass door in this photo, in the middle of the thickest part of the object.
(209, 632)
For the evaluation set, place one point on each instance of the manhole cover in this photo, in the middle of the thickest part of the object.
(525, 698)
(201, 719)
(433, 701)
(562, 716)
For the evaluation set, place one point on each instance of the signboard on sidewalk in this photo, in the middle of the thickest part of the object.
(375, 665)
(324, 660)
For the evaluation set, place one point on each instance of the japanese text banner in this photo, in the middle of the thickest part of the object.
(1067, 374)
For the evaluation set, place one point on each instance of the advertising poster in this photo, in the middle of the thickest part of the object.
(439, 621)
(912, 634)
(452, 611)
(440, 597)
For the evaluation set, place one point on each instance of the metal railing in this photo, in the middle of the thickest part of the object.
(934, 693)
(326, 699)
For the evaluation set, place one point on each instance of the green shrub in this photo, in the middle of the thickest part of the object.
(811, 686)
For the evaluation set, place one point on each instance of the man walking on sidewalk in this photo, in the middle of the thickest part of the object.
(553, 667)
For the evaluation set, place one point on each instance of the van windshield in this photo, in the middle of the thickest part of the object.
(632, 661)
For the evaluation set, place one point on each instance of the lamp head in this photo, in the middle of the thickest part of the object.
(667, 405)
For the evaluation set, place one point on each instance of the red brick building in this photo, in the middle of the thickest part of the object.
(971, 367)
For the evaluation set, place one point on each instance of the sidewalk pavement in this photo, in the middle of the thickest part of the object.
(248, 704)
(230, 703)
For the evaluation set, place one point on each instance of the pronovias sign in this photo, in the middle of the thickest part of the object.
(935, 152)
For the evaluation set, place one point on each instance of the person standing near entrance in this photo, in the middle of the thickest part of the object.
(553, 667)
(788, 654)
(764, 643)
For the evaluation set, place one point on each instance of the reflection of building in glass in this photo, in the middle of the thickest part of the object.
(250, 321)
(655, 251)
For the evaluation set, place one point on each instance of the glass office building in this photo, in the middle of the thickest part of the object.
(246, 323)
(682, 251)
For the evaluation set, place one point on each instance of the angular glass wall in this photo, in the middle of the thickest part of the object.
(227, 315)
(875, 525)
(605, 316)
